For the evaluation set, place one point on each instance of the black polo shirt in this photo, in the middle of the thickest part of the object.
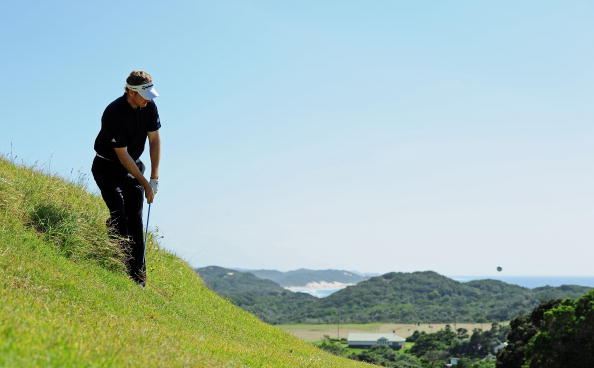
(124, 126)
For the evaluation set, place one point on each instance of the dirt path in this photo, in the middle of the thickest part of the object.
(317, 332)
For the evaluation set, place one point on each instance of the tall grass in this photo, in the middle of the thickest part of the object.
(63, 213)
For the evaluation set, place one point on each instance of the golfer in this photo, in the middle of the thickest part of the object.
(125, 125)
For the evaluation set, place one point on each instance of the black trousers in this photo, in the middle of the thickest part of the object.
(124, 197)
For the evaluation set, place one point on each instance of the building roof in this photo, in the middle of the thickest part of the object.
(374, 337)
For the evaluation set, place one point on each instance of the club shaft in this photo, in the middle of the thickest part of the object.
(147, 224)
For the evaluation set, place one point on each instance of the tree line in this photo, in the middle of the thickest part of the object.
(394, 297)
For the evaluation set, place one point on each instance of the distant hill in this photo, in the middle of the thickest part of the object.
(303, 276)
(264, 298)
(430, 297)
(393, 297)
(228, 281)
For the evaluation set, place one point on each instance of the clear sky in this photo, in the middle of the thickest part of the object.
(454, 136)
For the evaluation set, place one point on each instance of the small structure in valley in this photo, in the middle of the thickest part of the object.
(367, 340)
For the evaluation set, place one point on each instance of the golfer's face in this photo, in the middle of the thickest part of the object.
(139, 101)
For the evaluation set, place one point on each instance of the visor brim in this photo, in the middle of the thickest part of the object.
(149, 94)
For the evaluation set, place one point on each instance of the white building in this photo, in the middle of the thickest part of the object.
(367, 340)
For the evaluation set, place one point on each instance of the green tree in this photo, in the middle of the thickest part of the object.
(333, 346)
(430, 344)
(414, 337)
(523, 328)
(481, 343)
(555, 334)
(566, 335)
(387, 357)
(462, 333)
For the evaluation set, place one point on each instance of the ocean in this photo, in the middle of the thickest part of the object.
(533, 281)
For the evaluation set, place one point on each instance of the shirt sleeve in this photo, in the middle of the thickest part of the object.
(155, 123)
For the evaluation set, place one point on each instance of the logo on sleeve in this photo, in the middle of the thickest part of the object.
(113, 140)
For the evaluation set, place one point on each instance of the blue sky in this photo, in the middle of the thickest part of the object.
(454, 136)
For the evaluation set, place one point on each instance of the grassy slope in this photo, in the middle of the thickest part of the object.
(66, 300)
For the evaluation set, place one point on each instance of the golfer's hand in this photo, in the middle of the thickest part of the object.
(155, 185)
(149, 193)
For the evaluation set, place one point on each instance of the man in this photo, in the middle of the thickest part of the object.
(125, 125)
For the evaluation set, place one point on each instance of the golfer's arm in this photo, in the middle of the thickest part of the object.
(127, 161)
(155, 149)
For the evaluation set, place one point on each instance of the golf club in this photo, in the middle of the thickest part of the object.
(148, 216)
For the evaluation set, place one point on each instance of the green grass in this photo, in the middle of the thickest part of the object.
(67, 302)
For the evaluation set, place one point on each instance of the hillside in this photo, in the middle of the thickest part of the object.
(263, 298)
(430, 297)
(66, 301)
(304, 276)
(396, 298)
(228, 281)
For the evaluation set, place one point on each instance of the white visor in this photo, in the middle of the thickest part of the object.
(147, 90)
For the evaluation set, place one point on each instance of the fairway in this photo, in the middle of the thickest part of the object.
(311, 332)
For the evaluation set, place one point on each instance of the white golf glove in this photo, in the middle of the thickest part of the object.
(155, 185)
